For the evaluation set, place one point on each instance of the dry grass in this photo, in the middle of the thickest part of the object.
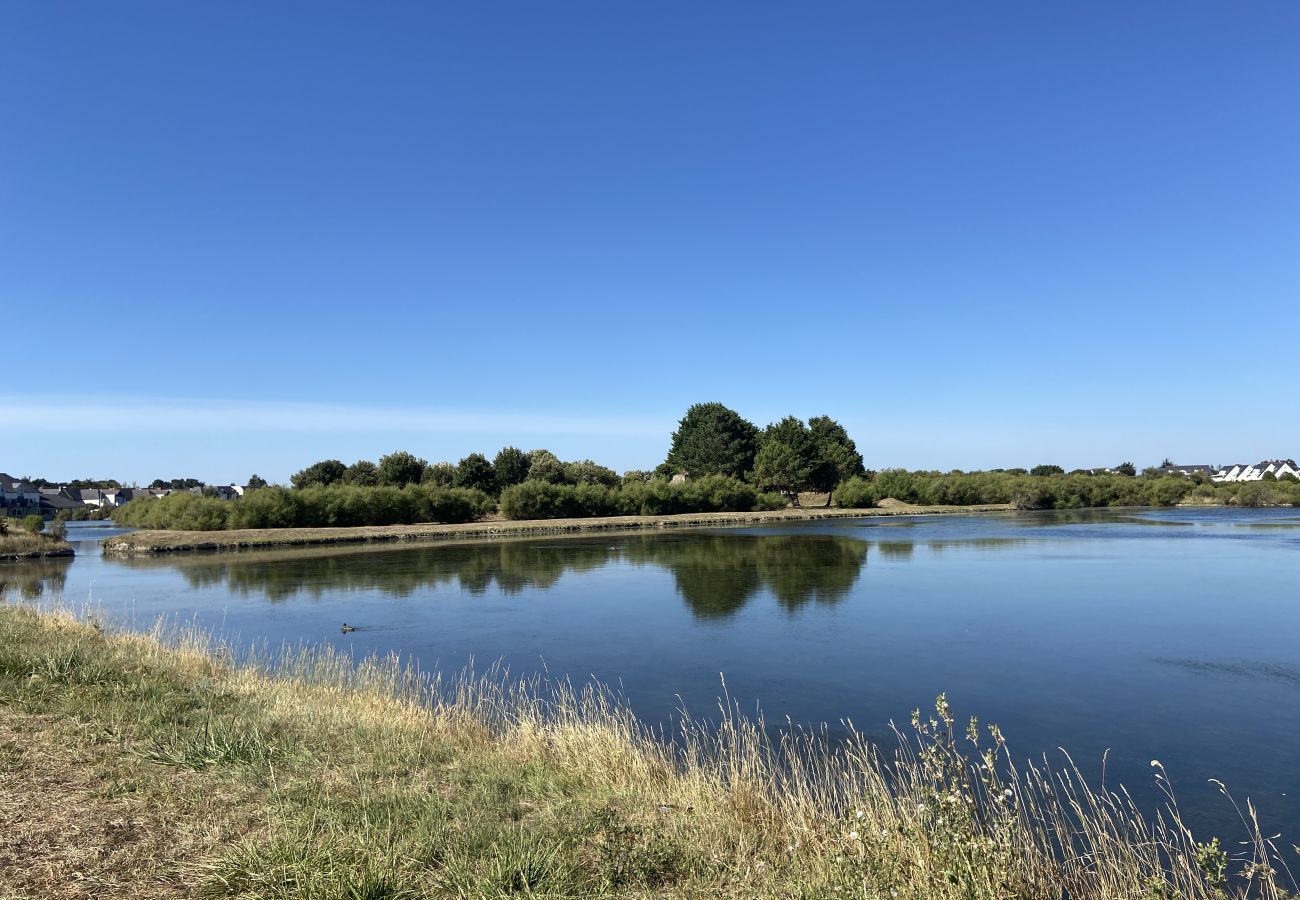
(145, 542)
(18, 544)
(309, 776)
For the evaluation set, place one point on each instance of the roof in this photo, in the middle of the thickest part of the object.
(56, 501)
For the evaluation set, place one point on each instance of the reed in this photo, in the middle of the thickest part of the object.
(340, 778)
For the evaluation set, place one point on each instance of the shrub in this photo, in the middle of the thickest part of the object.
(33, 524)
(536, 499)
(856, 493)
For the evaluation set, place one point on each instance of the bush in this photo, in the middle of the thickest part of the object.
(856, 493)
(336, 505)
(57, 529)
(537, 499)
(33, 524)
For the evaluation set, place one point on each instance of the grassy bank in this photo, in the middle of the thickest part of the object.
(172, 541)
(19, 544)
(129, 768)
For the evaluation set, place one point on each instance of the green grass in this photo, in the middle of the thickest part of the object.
(334, 780)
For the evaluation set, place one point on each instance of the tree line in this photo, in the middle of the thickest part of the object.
(717, 461)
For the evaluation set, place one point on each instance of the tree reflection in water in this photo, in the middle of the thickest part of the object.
(33, 578)
(715, 573)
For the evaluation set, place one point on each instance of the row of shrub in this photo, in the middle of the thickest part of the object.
(323, 506)
(535, 499)
(1055, 491)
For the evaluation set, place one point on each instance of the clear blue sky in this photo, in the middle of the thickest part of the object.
(241, 236)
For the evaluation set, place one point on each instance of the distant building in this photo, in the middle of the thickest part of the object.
(1198, 469)
(1243, 472)
(18, 498)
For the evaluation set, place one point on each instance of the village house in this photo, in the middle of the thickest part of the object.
(1278, 468)
(18, 499)
(1189, 470)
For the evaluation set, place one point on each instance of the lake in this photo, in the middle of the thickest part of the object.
(1154, 634)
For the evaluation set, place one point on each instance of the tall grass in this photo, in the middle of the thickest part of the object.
(379, 780)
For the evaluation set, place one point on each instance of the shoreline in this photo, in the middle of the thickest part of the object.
(332, 776)
(150, 543)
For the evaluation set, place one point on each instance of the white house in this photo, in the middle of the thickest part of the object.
(1243, 472)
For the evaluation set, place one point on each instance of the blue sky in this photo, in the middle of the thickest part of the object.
(241, 237)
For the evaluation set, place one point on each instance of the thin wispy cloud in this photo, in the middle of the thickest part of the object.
(172, 415)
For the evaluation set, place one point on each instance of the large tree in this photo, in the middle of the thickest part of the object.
(543, 465)
(713, 440)
(401, 468)
(327, 471)
(474, 471)
(788, 467)
(782, 468)
(511, 466)
(362, 473)
(835, 457)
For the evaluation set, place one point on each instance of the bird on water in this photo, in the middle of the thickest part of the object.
(345, 628)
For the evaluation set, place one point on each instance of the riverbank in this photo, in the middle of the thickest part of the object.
(16, 545)
(150, 542)
(131, 766)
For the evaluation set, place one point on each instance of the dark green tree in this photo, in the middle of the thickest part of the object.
(1126, 468)
(254, 482)
(400, 468)
(836, 457)
(474, 471)
(713, 440)
(511, 465)
(1046, 470)
(327, 471)
(782, 468)
(362, 473)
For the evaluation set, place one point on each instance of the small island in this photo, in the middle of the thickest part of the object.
(30, 538)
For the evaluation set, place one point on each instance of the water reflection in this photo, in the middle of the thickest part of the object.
(32, 578)
(715, 573)
(718, 574)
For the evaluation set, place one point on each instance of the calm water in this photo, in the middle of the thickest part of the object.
(1170, 635)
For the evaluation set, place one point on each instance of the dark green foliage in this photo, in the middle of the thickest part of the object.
(787, 456)
(33, 524)
(319, 506)
(362, 473)
(1126, 468)
(715, 493)
(713, 440)
(780, 467)
(474, 471)
(511, 465)
(255, 481)
(836, 456)
(176, 484)
(327, 471)
(1046, 470)
(400, 469)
